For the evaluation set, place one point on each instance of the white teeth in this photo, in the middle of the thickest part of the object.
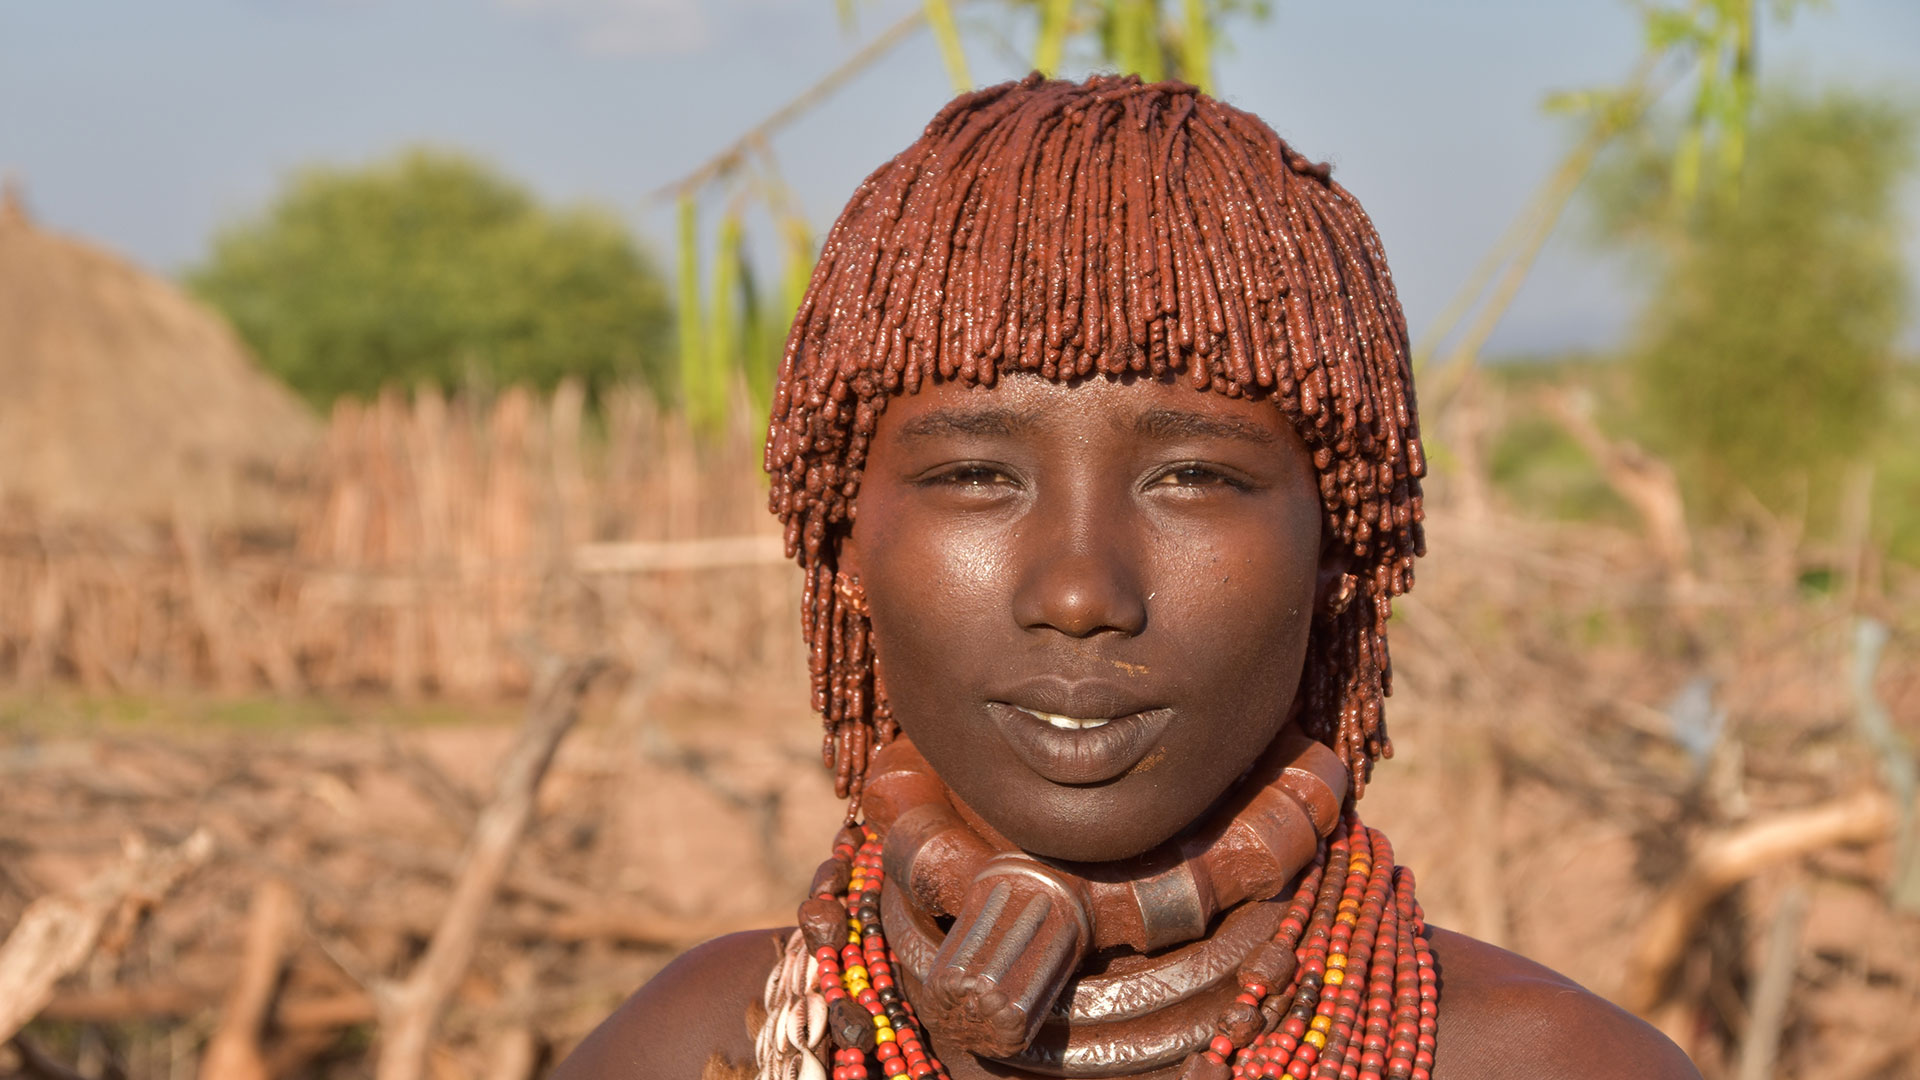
(1069, 723)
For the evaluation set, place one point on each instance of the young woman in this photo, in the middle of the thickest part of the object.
(1095, 437)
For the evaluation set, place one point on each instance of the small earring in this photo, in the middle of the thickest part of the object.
(1341, 597)
(847, 587)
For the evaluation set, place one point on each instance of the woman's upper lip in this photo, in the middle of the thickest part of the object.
(1084, 699)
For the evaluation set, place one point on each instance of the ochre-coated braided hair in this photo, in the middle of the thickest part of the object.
(1097, 229)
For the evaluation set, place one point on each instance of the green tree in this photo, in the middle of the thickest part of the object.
(1765, 353)
(431, 267)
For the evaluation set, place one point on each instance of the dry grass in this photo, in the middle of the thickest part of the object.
(123, 396)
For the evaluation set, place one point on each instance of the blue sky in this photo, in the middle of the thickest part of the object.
(145, 125)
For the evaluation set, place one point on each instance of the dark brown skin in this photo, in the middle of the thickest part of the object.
(1098, 550)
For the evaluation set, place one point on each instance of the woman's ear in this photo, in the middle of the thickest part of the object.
(846, 574)
(1335, 584)
(847, 558)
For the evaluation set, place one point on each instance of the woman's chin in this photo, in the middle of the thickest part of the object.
(1107, 841)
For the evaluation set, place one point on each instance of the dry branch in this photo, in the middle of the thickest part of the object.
(515, 1049)
(129, 1003)
(1760, 1045)
(234, 1052)
(1643, 481)
(322, 1012)
(36, 1062)
(412, 1010)
(56, 934)
(1725, 861)
(757, 136)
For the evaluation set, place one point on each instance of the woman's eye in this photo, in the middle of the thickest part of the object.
(970, 477)
(1195, 476)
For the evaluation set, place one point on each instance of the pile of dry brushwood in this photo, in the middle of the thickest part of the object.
(1685, 778)
(239, 905)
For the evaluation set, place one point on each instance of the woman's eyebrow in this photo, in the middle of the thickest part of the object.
(1181, 424)
(968, 421)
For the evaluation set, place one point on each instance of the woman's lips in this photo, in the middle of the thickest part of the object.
(1068, 750)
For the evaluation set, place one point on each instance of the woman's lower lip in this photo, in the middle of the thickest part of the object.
(1083, 756)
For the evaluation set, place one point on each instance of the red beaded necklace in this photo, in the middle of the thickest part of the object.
(1360, 999)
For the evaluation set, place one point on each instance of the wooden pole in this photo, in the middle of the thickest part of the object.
(234, 1051)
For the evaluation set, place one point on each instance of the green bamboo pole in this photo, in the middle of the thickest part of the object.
(947, 33)
(1052, 44)
(692, 321)
(1196, 47)
(723, 359)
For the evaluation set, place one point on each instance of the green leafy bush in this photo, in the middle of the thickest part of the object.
(431, 267)
(1765, 353)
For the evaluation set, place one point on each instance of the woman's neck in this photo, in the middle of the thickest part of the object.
(1140, 942)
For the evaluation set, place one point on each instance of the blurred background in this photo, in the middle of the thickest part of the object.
(397, 662)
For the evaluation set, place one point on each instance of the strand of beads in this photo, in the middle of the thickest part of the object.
(1300, 1035)
(862, 972)
(1364, 1000)
(1422, 993)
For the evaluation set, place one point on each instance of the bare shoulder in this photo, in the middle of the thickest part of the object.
(694, 1008)
(1504, 1016)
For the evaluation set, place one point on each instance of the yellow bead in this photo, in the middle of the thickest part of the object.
(1337, 960)
(1322, 1023)
(1318, 1040)
(1335, 976)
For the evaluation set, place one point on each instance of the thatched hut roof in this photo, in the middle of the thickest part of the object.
(122, 397)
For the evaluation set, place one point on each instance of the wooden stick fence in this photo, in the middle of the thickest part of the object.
(426, 549)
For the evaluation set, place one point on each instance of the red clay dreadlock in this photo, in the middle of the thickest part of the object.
(1104, 228)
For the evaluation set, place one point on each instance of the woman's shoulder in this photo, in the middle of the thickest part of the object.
(1503, 1015)
(696, 1009)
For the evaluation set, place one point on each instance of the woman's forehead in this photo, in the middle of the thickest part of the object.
(1028, 405)
(1024, 401)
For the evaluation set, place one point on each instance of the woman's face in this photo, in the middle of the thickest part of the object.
(1090, 602)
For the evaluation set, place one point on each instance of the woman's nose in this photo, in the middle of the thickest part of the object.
(1080, 581)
